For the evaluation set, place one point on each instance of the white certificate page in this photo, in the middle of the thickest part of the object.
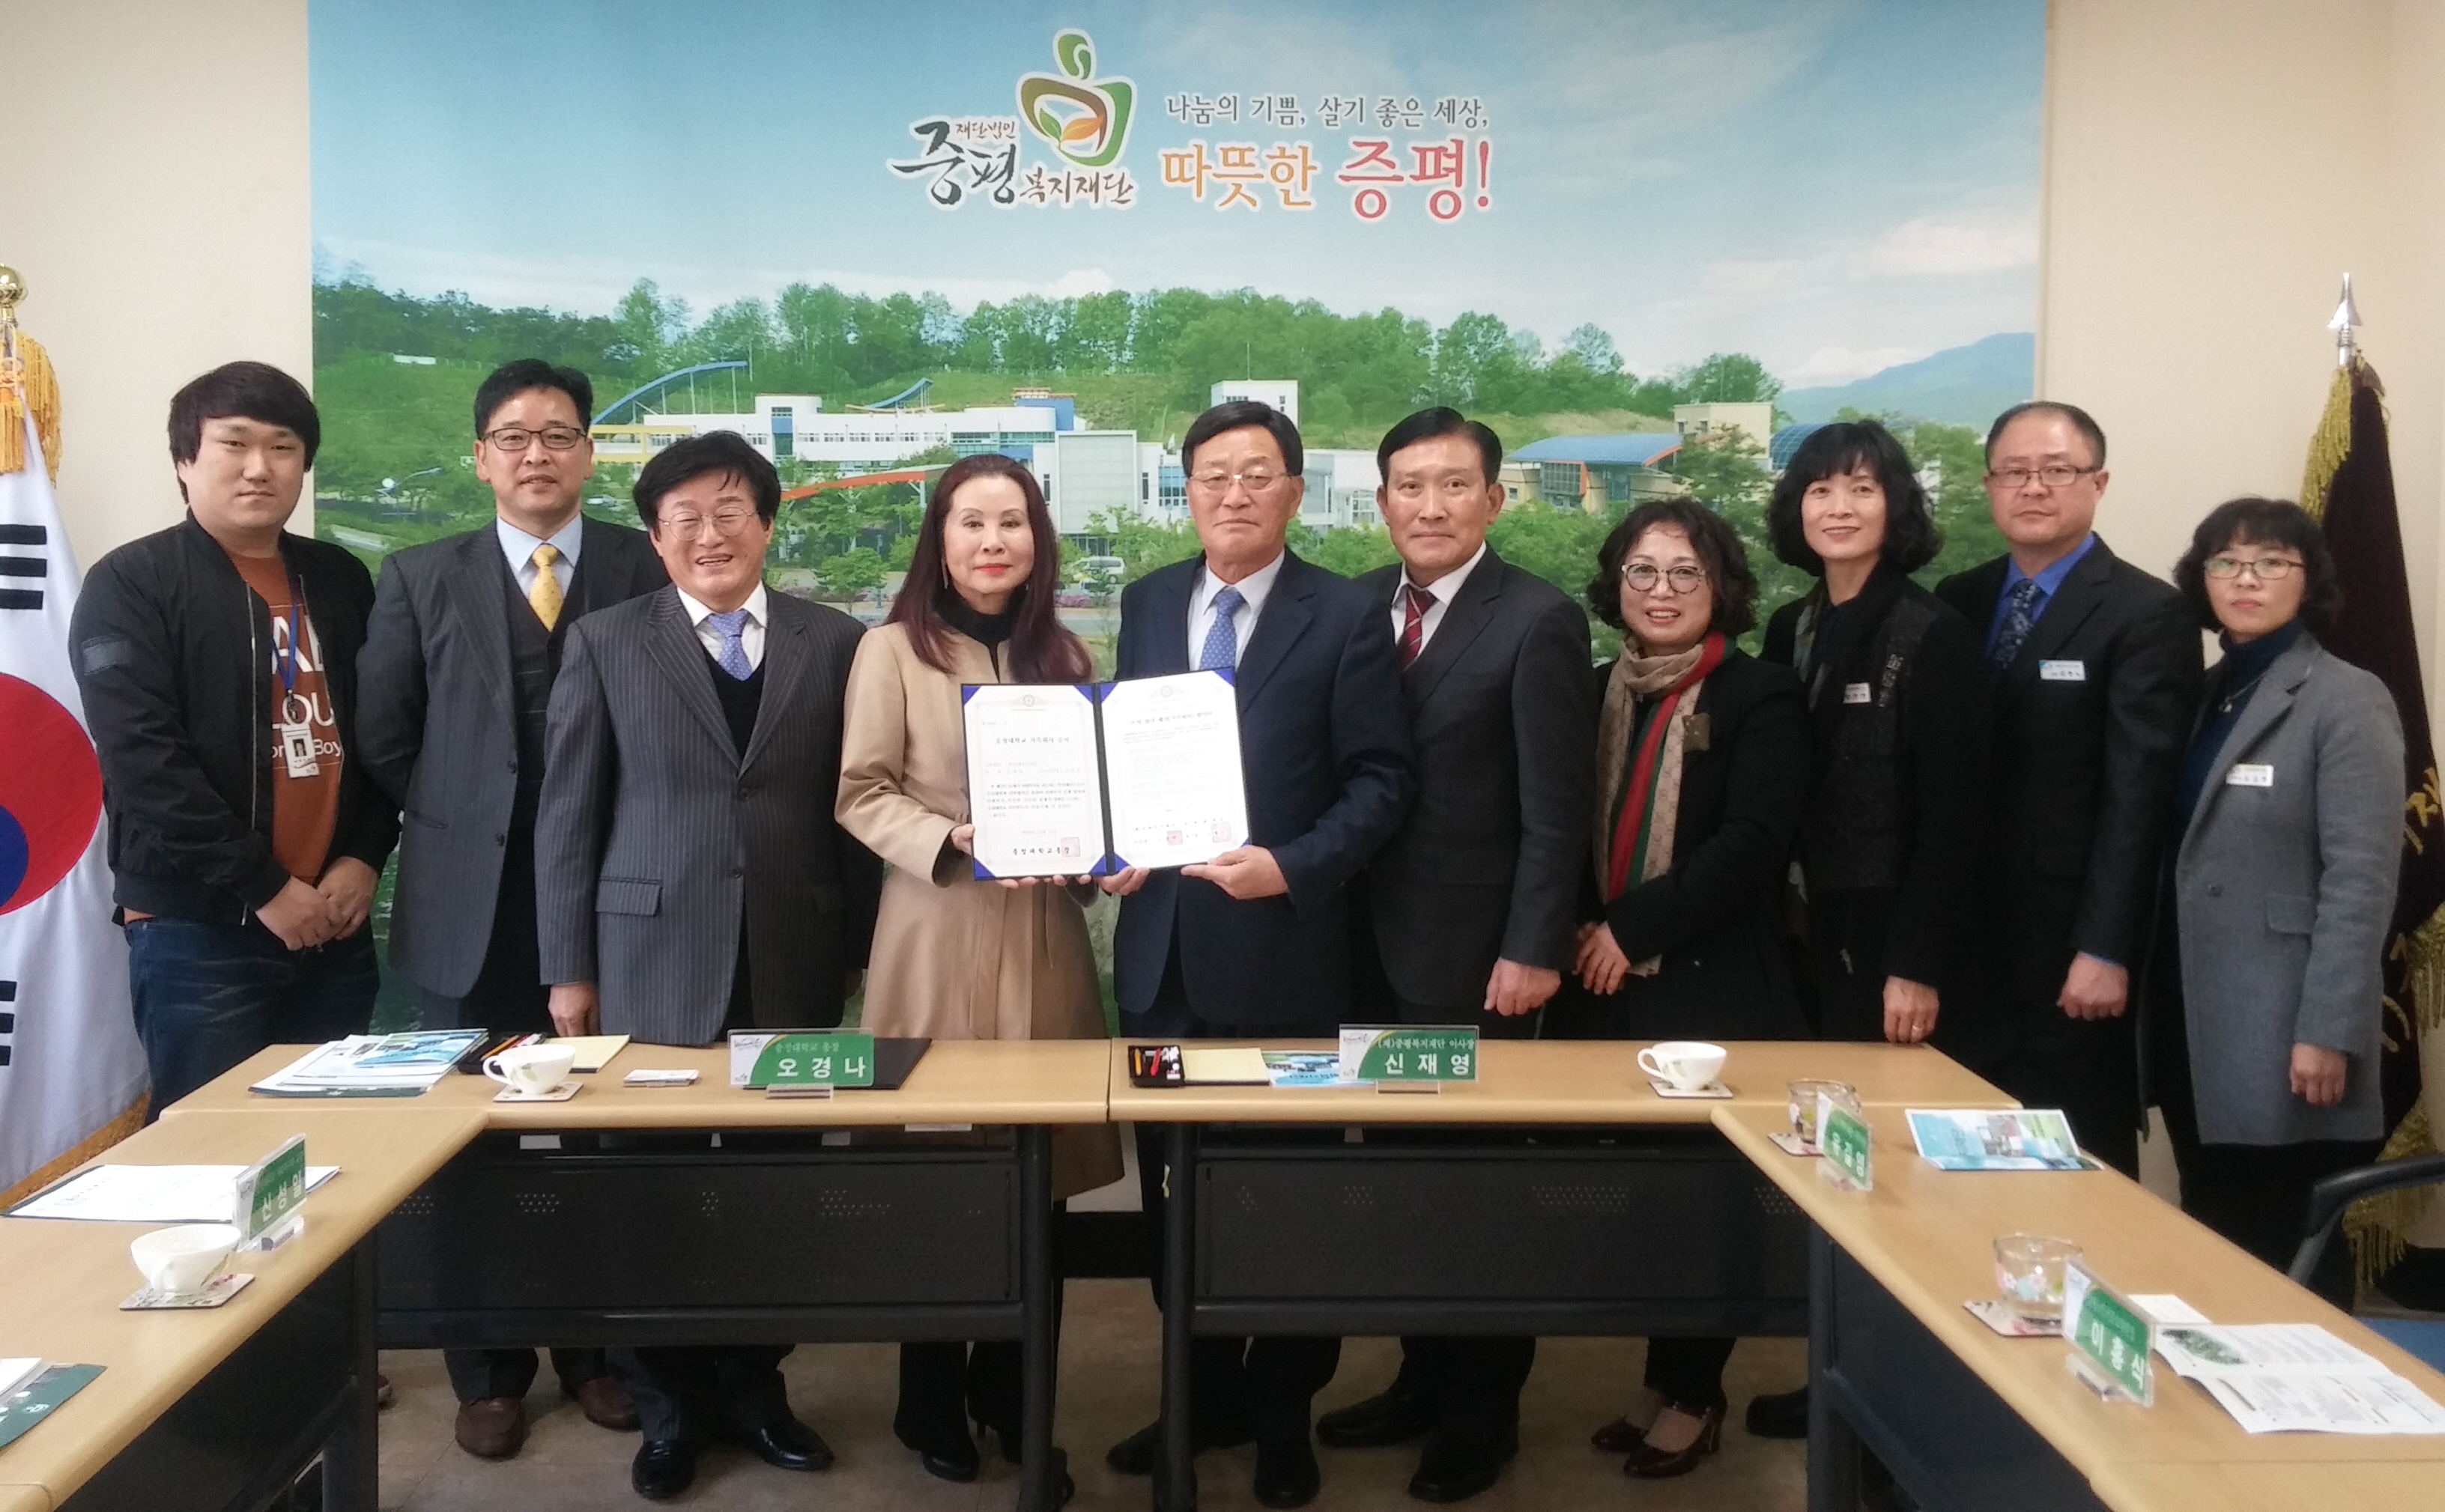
(1033, 789)
(1171, 767)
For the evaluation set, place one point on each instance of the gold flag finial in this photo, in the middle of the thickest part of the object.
(27, 385)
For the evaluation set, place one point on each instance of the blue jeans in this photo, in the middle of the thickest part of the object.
(208, 995)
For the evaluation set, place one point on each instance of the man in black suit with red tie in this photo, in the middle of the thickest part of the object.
(1472, 903)
(1255, 944)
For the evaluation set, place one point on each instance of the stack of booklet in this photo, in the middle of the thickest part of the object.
(2296, 1378)
(373, 1065)
(2001, 1139)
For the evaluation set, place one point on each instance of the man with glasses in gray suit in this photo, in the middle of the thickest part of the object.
(455, 676)
(689, 876)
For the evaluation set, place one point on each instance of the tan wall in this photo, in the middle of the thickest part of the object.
(2213, 168)
(157, 206)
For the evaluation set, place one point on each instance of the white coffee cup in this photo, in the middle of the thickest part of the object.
(1688, 1064)
(531, 1069)
(181, 1260)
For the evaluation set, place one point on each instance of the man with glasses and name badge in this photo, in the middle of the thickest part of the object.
(2097, 669)
(1255, 944)
(457, 668)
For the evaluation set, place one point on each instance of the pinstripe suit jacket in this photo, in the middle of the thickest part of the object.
(656, 836)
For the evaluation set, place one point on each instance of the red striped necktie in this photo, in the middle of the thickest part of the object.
(1413, 628)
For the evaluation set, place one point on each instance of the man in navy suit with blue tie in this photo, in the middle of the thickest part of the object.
(1255, 944)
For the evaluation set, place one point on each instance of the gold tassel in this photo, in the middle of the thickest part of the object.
(2328, 445)
(2375, 1226)
(28, 384)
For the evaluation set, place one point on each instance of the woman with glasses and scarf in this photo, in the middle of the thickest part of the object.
(2290, 811)
(1703, 770)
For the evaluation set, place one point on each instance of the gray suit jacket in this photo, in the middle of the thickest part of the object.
(2285, 892)
(436, 727)
(656, 837)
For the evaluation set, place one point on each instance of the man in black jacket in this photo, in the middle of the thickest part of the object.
(217, 661)
(1473, 902)
(2097, 676)
(1256, 942)
(457, 671)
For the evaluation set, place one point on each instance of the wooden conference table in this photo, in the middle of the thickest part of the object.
(219, 1408)
(833, 1220)
(1966, 1418)
(1556, 1194)
(709, 1215)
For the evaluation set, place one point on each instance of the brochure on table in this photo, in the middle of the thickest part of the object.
(2296, 1378)
(399, 1065)
(151, 1194)
(1073, 780)
(2007, 1139)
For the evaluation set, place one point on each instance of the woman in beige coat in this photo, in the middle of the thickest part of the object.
(956, 956)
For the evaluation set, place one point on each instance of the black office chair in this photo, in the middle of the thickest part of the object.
(2423, 1336)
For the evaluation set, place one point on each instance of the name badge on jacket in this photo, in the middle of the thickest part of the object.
(2063, 671)
(2250, 775)
(1859, 693)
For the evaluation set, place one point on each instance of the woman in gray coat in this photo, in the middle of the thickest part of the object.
(2289, 812)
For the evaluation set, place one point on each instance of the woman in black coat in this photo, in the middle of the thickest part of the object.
(1897, 704)
(1703, 772)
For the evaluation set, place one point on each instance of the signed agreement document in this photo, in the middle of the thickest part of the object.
(1068, 780)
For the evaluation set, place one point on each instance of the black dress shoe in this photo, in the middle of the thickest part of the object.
(1135, 1454)
(1388, 1417)
(1785, 1415)
(1286, 1472)
(1457, 1466)
(663, 1469)
(957, 1460)
(790, 1444)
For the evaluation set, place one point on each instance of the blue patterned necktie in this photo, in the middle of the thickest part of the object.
(1222, 647)
(2020, 617)
(733, 656)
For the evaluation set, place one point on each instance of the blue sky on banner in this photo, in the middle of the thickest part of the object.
(1833, 185)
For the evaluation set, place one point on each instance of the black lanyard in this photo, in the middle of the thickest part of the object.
(289, 667)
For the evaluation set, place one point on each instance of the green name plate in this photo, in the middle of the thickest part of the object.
(1384, 1053)
(1847, 1144)
(2111, 1339)
(272, 1191)
(802, 1061)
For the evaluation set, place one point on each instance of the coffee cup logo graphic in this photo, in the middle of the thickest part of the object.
(1086, 119)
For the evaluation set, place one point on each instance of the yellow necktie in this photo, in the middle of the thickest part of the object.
(544, 595)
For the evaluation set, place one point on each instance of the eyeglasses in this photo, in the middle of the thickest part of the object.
(2054, 475)
(555, 438)
(1215, 485)
(1644, 576)
(724, 522)
(2268, 569)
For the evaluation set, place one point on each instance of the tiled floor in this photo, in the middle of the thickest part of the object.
(1107, 1391)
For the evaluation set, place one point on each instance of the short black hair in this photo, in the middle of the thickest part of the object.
(512, 379)
(2262, 522)
(255, 391)
(1239, 415)
(713, 451)
(2080, 420)
(1912, 539)
(1425, 425)
(1710, 536)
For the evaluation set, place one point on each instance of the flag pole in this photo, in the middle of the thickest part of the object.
(2346, 317)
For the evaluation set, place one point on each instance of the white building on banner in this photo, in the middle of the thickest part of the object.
(787, 426)
(1341, 490)
(1281, 393)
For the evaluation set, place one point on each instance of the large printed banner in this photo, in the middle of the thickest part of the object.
(873, 237)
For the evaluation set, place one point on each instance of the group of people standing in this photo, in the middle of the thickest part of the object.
(633, 790)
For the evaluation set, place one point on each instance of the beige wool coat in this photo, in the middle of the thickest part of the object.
(955, 958)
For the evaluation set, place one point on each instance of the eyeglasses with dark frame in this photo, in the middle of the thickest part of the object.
(1684, 577)
(2054, 475)
(2267, 569)
(555, 438)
